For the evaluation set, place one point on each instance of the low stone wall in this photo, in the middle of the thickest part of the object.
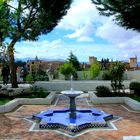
(22, 101)
(77, 85)
(115, 100)
(132, 103)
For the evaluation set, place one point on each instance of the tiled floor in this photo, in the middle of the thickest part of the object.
(14, 126)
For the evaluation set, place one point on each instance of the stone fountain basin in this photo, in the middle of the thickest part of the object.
(84, 117)
(71, 93)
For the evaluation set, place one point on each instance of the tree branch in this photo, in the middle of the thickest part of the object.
(11, 6)
(18, 18)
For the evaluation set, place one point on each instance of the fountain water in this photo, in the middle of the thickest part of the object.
(72, 119)
(72, 94)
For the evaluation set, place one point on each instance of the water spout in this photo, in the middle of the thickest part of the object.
(71, 86)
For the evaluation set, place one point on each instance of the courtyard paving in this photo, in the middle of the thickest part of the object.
(16, 126)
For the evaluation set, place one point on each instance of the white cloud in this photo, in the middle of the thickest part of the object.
(77, 15)
(49, 50)
(128, 41)
(83, 33)
(81, 13)
(85, 39)
(82, 22)
(82, 18)
(41, 48)
(114, 33)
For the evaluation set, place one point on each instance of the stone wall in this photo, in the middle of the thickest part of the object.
(85, 75)
(133, 75)
(22, 101)
(135, 105)
(76, 85)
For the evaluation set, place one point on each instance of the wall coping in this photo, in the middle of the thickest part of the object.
(135, 105)
(23, 101)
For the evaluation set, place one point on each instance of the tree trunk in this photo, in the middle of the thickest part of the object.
(12, 65)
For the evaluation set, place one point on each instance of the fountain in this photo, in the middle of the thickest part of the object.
(72, 94)
(72, 119)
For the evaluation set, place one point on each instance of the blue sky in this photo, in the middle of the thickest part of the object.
(86, 33)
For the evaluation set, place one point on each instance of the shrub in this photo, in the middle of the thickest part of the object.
(42, 78)
(136, 87)
(106, 75)
(95, 69)
(38, 92)
(29, 78)
(67, 70)
(103, 91)
(116, 72)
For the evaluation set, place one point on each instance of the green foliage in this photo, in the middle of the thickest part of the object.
(126, 12)
(95, 70)
(106, 75)
(41, 75)
(105, 64)
(4, 21)
(29, 78)
(84, 75)
(31, 25)
(116, 72)
(27, 21)
(34, 92)
(103, 91)
(4, 101)
(67, 70)
(135, 97)
(38, 77)
(38, 92)
(20, 63)
(41, 78)
(74, 61)
(136, 87)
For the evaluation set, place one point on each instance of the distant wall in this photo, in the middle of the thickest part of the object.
(133, 75)
(77, 85)
(85, 75)
(82, 75)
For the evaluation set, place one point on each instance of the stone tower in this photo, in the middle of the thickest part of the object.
(92, 60)
(133, 62)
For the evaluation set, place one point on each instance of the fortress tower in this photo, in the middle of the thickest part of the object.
(92, 60)
(133, 62)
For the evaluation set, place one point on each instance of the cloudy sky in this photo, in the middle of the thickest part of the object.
(86, 33)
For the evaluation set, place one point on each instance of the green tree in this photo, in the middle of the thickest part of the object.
(116, 73)
(20, 63)
(67, 70)
(74, 61)
(28, 20)
(126, 12)
(95, 70)
(4, 21)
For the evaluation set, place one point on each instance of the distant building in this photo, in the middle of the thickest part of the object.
(133, 63)
(44, 65)
(92, 60)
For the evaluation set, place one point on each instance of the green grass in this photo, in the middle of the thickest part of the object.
(137, 98)
(4, 101)
(34, 95)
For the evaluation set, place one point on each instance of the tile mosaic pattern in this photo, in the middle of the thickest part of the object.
(14, 126)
